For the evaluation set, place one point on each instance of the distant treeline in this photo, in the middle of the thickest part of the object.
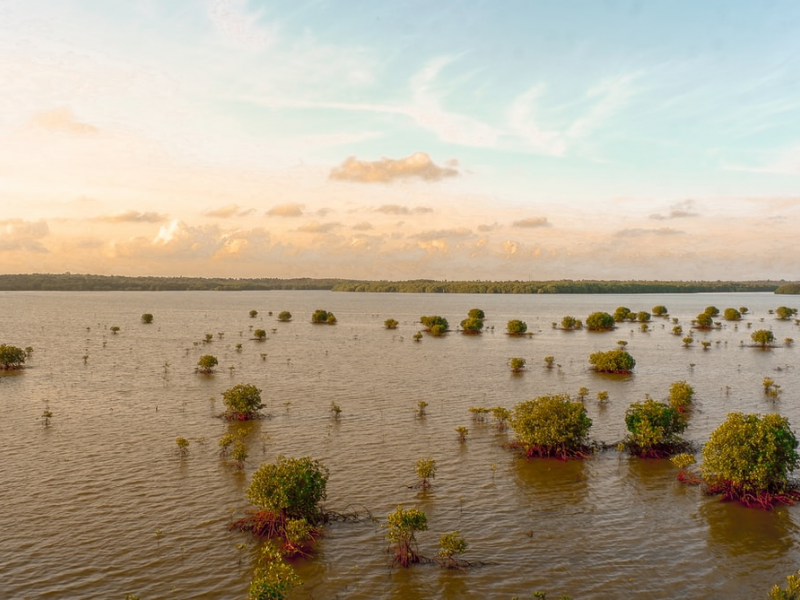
(556, 287)
(68, 282)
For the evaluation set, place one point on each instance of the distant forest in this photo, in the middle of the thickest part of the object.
(68, 282)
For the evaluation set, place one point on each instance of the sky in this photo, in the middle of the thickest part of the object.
(511, 140)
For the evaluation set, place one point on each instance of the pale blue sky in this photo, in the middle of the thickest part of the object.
(556, 139)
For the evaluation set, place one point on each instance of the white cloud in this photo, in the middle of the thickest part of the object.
(419, 165)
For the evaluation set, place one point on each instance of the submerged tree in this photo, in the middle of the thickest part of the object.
(704, 321)
(260, 335)
(284, 316)
(516, 327)
(654, 429)
(748, 459)
(323, 316)
(612, 361)
(763, 337)
(435, 324)
(600, 321)
(621, 314)
(731, 314)
(426, 470)
(287, 491)
(207, 363)
(792, 591)
(660, 311)
(680, 395)
(517, 364)
(571, 323)
(253, 314)
(147, 318)
(784, 313)
(450, 546)
(476, 313)
(273, 577)
(11, 357)
(551, 425)
(243, 402)
(390, 324)
(472, 325)
(403, 524)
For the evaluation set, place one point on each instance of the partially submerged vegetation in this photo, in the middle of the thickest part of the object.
(11, 357)
(552, 426)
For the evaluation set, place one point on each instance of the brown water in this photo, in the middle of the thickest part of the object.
(83, 498)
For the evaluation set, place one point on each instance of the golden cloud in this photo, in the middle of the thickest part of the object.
(531, 222)
(418, 165)
(317, 227)
(62, 120)
(396, 209)
(132, 216)
(286, 210)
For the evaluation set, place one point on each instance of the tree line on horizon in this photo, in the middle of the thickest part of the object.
(88, 282)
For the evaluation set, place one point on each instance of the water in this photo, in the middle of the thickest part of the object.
(98, 504)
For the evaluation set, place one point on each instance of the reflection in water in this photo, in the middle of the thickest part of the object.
(757, 534)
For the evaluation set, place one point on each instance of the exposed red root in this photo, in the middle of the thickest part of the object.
(764, 500)
(688, 478)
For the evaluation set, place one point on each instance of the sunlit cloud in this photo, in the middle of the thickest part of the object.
(61, 120)
(132, 216)
(442, 234)
(286, 210)
(362, 226)
(231, 210)
(397, 209)
(419, 165)
(531, 223)
(316, 227)
(679, 210)
(636, 232)
(18, 234)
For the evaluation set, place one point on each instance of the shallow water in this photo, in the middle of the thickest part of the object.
(84, 498)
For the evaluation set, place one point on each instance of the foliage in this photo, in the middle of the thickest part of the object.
(403, 525)
(390, 324)
(183, 445)
(426, 469)
(435, 324)
(602, 397)
(612, 361)
(571, 323)
(225, 442)
(731, 314)
(654, 429)
(687, 341)
(476, 313)
(680, 395)
(260, 335)
(253, 314)
(290, 488)
(600, 321)
(239, 454)
(683, 460)
(712, 311)
(323, 316)
(421, 406)
(417, 336)
(516, 327)
(114, 329)
(243, 402)
(551, 425)
(450, 545)
(704, 321)
(284, 316)
(147, 318)
(748, 458)
(792, 591)
(621, 314)
(462, 433)
(207, 363)
(784, 313)
(582, 393)
(273, 577)
(472, 325)
(549, 361)
(517, 364)
(660, 310)
(336, 410)
(643, 316)
(11, 357)
(763, 337)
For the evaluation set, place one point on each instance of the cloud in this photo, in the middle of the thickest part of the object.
(418, 165)
(61, 120)
(317, 227)
(679, 210)
(531, 222)
(442, 234)
(396, 209)
(487, 228)
(232, 21)
(363, 226)
(132, 216)
(635, 232)
(231, 210)
(286, 210)
(17, 234)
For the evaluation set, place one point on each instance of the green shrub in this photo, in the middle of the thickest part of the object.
(600, 321)
(11, 357)
(403, 525)
(748, 458)
(612, 361)
(551, 425)
(516, 327)
(242, 401)
(284, 316)
(654, 429)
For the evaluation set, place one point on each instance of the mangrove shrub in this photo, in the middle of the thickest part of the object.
(600, 321)
(612, 361)
(654, 429)
(242, 401)
(551, 425)
(11, 357)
